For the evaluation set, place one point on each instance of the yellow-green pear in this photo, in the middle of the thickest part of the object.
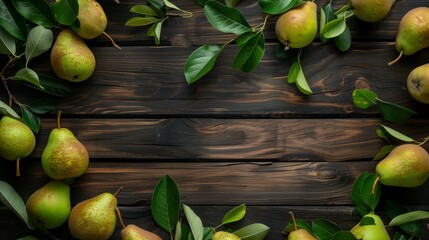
(370, 227)
(49, 206)
(413, 32)
(17, 140)
(407, 165)
(64, 155)
(297, 27)
(94, 218)
(299, 234)
(418, 83)
(371, 10)
(93, 20)
(133, 232)
(222, 235)
(71, 59)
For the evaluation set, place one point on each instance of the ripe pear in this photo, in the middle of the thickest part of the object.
(49, 206)
(93, 20)
(71, 59)
(297, 27)
(370, 227)
(418, 83)
(407, 165)
(17, 140)
(371, 10)
(413, 32)
(222, 235)
(133, 232)
(64, 156)
(299, 234)
(94, 218)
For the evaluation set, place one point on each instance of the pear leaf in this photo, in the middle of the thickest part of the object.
(7, 43)
(36, 11)
(293, 72)
(144, 10)
(30, 118)
(12, 21)
(334, 28)
(235, 214)
(366, 221)
(11, 199)
(301, 82)
(393, 112)
(165, 204)
(155, 31)
(343, 235)
(250, 53)
(28, 75)
(255, 231)
(53, 85)
(8, 111)
(363, 98)
(324, 229)
(28, 238)
(141, 21)
(159, 7)
(409, 217)
(399, 236)
(344, 40)
(274, 7)
(226, 19)
(66, 11)
(384, 151)
(326, 15)
(42, 106)
(171, 5)
(362, 197)
(178, 232)
(208, 233)
(201, 61)
(394, 209)
(39, 41)
(195, 223)
(231, 3)
(390, 132)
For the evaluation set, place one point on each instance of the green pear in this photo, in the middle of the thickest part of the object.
(299, 234)
(418, 83)
(93, 20)
(407, 165)
(413, 32)
(222, 235)
(94, 218)
(370, 227)
(371, 10)
(71, 59)
(133, 232)
(17, 140)
(49, 206)
(297, 27)
(64, 156)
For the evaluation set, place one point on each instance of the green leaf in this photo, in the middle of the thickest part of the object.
(343, 235)
(393, 112)
(178, 232)
(243, 38)
(28, 75)
(399, 236)
(326, 15)
(141, 21)
(363, 98)
(394, 209)
(8, 111)
(294, 70)
(235, 214)
(28, 238)
(165, 204)
(301, 82)
(334, 28)
(155, 31)
(208, 233)
(384, 151)
(390, 132)
(231, 3)
(409, 217)
(42, 106)
(39, 41)
(274, 7)
(195, 223)
(53, 85)
(66, 11)
(12, 21)
(367, 221)
(201, 3)
(144, 10)
(36, 11)
(185, 232)
(255, 231)
(171, 5)
(201, 61)
(344, 40)
(362, 197)
(290, 55)
(250, 53)
(11, 199)
(158, 7)
(324, 229)
(30, 118)
(226, 19)
(7, 43)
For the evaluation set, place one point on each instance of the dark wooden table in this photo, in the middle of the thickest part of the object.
(232, 137)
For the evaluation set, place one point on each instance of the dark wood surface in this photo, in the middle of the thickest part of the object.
(232, 137)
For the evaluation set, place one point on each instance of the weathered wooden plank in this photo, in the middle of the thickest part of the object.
(225, 139)
(149, 81)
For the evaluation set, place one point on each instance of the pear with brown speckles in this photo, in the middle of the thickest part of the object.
(133, 232)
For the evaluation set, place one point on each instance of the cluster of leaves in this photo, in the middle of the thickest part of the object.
(166, 208)
(25, 33)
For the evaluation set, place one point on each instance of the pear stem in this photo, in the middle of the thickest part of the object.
(397, 59)
(118, 191)
(59, 119)
(286, 43)
(111, 40)
(120, 217)
(374, 185)
(293, 220)
(18, 173)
